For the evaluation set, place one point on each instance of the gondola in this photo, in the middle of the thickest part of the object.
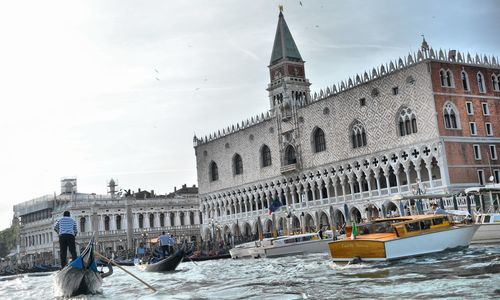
(80, 276)
(167, 264)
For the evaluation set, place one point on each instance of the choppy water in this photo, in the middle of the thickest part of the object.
(469, 273)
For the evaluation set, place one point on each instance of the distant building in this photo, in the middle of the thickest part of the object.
(119, 222)
(425, 123)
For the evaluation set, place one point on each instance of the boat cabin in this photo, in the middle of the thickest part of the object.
(488, 218)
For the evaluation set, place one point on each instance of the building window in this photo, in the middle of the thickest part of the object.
(266, 156)
(82, 225)
(496, 175)
(450, 117)
(214, 171)
(469, 108)
(319, 140)
(395, 90)
(118, 222)
(358, 135)
(446, 78)
(290, 155)
(486, 110)
(480, 83)
(493, 152)
(362, 102)
(465, 81)
(495, 80)
(407, 122)
(237, 164)
(442, 77)
(473, 130)
(480, 176)
(477, 152)
(489, 129)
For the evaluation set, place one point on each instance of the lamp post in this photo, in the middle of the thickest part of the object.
(418, 190)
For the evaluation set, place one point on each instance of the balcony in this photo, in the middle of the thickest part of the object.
(288, 168)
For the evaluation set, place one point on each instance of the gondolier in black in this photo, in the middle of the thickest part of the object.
(66, 229)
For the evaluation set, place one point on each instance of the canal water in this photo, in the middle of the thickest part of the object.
(472, 273)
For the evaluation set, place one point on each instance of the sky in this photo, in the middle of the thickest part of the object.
(117, 89)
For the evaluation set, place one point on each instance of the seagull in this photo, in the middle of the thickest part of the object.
(156, 71)
(157, 78)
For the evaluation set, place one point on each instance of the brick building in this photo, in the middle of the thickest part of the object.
(424, 123)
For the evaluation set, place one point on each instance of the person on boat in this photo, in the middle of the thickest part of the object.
(66, 229)
(164, 244)
(320, 232)
(438, 210)
(140, 251)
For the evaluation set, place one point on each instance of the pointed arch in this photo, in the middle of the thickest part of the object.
(480, 82)
(319, 144)
(237, 164)
(451, 117)
(495, 81)
(358, 134)
(290, 156)
(407, 121)
(465, 80)
(213, 171)
(265, 156)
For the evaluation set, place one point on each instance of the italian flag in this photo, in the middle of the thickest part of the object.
(354, 231)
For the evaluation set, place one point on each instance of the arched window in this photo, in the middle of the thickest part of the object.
(82, 224)
(495, 82)
(151, 220)
(162, 220)
(358, 135)
(172, 219)
(118, 222)
(191, 218)
(450, 116)
(480, 83)
(442, 77)
(407, 122)
(141, 221)
(181, 217)
(465, 80)
(449, 78)
(214, 171)
(237, 164)
(266, 156)
(290, 155)
(106, 223)
(319, 140)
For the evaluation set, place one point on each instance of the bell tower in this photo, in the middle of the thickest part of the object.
(286, 70)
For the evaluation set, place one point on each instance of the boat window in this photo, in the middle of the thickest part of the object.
(487, 219)
(425, 224)
(415, 226)
(437, 221)
(496, 218)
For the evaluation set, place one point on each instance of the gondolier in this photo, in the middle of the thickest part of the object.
(66, 229)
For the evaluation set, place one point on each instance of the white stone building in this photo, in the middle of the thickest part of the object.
(345, 153)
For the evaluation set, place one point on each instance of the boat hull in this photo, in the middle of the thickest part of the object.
(396, 248)
(487, 233)
(313, 246)
(165, 265)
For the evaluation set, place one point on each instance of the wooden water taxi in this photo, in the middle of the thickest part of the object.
(394, 238)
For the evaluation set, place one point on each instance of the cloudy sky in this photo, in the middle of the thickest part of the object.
(116, 89)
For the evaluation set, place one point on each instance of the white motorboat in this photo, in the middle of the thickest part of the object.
(294, 245)
(489, 229)
(246, 250)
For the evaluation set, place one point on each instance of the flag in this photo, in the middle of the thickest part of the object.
(274, 206)
(354, 231)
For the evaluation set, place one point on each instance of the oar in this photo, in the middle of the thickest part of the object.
(115, 264)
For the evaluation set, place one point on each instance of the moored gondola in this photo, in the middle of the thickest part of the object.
(80, 276)
(169, 263)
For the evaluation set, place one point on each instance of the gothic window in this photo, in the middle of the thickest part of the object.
(214, 171)
(465, 81)
(442, 77)
(358, 135)
(446, 78)
(449, 78)
(82, 225)
(266, 156)
(106, 223)
(319, 140)
(141, 221)
(118, 222)
(495, 80)
(480, 83)
(290, 155)
(237, 164)
(407, 122)
(450, 116)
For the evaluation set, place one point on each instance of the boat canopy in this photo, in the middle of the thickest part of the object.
(495, 187)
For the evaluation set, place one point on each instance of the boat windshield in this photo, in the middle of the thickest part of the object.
(378, 227)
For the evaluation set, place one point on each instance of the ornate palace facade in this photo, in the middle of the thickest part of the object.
(424, 123)
(118, 222)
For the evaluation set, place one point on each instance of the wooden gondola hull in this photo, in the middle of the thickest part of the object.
(165, 265)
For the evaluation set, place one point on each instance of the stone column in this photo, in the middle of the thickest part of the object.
(428, 165)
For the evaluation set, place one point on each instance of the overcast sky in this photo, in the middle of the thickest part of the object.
(116, 89)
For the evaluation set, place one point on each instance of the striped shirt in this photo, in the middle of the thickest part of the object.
(66, 225)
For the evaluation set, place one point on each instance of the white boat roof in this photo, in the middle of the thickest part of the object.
(494, 187)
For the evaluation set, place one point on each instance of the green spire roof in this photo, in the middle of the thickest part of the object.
(284, 45)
